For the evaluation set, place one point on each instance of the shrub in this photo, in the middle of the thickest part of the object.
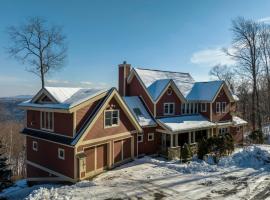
(203, 148)
(221, 145)
(256, 137)
(186, 153)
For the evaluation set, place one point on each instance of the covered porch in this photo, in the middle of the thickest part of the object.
(180, 130)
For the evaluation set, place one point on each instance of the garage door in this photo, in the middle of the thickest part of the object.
(122, 150)
(96, 157)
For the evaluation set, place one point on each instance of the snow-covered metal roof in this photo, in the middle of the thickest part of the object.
(66, 97)
(183, 81)
(156, 88)
(186, 123)
(238, 121)
(139, 111)
(204, 91)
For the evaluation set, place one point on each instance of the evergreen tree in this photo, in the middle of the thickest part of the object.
(203, 148)
(5, 171)
(186, 152)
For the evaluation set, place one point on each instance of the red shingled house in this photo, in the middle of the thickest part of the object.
(75, 133)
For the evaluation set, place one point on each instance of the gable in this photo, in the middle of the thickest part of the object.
(43, 96)
(112, 98)
(99, 130)
(168, 96)
(224, 93)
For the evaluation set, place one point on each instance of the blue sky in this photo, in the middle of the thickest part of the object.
(176, 35)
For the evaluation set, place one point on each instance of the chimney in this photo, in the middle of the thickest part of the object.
(123, 73)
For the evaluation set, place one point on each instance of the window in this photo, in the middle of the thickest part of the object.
(47, 121)
(111, 118)
(168, 108)
(150, 136)
(238, 129)
(61, 154)
(223, 107)
(203, 107)
(35, 146)
(137, 112)
(223, 131)
(140, 138)
(218, 107)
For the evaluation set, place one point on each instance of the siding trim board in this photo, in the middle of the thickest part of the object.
(49, 171)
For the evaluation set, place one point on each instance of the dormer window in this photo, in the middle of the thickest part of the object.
(168, 108)
(111, 118)
(47, 121)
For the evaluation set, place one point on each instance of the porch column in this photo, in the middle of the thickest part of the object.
(189, 137)
(194, 136)
(208, 133)
(176, 140)
(212, 133)
(171, 140)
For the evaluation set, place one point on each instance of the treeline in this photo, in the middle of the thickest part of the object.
(249, 77)
(13, 144)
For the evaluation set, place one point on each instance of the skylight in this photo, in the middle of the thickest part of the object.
(138, 112)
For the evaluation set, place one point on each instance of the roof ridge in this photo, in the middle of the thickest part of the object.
(160, 70)
(209, 81)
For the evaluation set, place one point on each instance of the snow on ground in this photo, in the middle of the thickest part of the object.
(244, 175)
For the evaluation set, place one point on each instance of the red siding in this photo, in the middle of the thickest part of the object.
(222, 97)
(136, 89)
(33, 119)
(47, 156)
(63, 123)
(173, 98)
(83, 114)
(33, 172)
(98, 129)
(207, 113)
(149, 147)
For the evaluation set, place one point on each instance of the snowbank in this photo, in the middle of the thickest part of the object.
(257, 157)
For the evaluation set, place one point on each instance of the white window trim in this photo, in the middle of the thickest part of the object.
(205, 107)
(138, 138)
(35, 146)
(168, 103)
(41, 118)
(113, 125)
(153, 136)
(225, 107)
(218, 106)
(60, 157)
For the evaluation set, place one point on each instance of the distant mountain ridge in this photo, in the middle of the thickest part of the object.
(9, 110)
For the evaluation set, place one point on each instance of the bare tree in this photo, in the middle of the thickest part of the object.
(225, 73)
(265, 57)
(246, 51)
(40, 46)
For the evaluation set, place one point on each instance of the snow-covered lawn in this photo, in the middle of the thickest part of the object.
(244, 175)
